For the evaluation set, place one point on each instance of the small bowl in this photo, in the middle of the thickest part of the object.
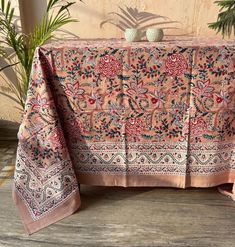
(132, 34)
(154, 34)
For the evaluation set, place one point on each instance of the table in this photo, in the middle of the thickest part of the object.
(107, 112)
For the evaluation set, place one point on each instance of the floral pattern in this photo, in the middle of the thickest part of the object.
(198, 127)
(39, 103)
(223, 98)
(158, 99)
(203, 89)
(176, 64)
(108, 66)
(137, 90)
(135, 127)
(73, 90)
(107, 108)
(57, 138)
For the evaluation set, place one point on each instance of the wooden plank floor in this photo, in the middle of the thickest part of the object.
(112, 216)
(8, 130)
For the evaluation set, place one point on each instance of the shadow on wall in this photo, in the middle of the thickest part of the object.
(133, 18)
(65, 34)
(9, 82)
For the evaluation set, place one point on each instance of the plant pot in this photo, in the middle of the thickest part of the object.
(31, 13)
(132, 34)
(154, 34)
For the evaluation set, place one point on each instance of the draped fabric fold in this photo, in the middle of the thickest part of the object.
(113, 113)
(45, 186)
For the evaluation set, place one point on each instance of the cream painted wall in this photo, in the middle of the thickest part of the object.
(8, 108)
(192, 15)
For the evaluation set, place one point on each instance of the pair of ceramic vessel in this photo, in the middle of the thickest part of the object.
(152, 34)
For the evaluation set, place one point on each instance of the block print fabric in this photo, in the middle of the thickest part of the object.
(113, 113)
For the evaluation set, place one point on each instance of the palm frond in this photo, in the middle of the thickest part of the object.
(56, 16)
(225, 4)
(51, 4)
(226, 18)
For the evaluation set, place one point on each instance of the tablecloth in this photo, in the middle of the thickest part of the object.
(108, 112)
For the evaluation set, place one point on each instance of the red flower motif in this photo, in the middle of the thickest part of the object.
(176, 64)
(57, 138)
(135, 126)
(108, 66)
(97, 99)
(223, 98)
(198, 127)
(219, 99)
(159, 99)
(154, 100)
(92, 101)
(75, 128)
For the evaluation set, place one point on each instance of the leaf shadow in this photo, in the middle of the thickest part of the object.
(128, 17)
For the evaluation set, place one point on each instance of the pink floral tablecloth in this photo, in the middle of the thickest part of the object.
(108, 112)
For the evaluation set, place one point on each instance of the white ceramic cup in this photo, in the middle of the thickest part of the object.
(154, 34)
(132, 34)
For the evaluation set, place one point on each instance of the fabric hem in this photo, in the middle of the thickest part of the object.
(155, 180)
(65, 209)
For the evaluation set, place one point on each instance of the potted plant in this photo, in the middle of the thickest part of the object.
(226, 18)
(24, 45)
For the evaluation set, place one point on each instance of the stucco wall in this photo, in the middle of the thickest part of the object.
(8, 107)
(192, 17)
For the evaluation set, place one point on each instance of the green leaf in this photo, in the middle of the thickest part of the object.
(25, 45)
(11, 15)
(65, 7)
(226, 18)
(51, 4)
(208, 136)
(148, 137)
(8, 9)
(3, 5)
